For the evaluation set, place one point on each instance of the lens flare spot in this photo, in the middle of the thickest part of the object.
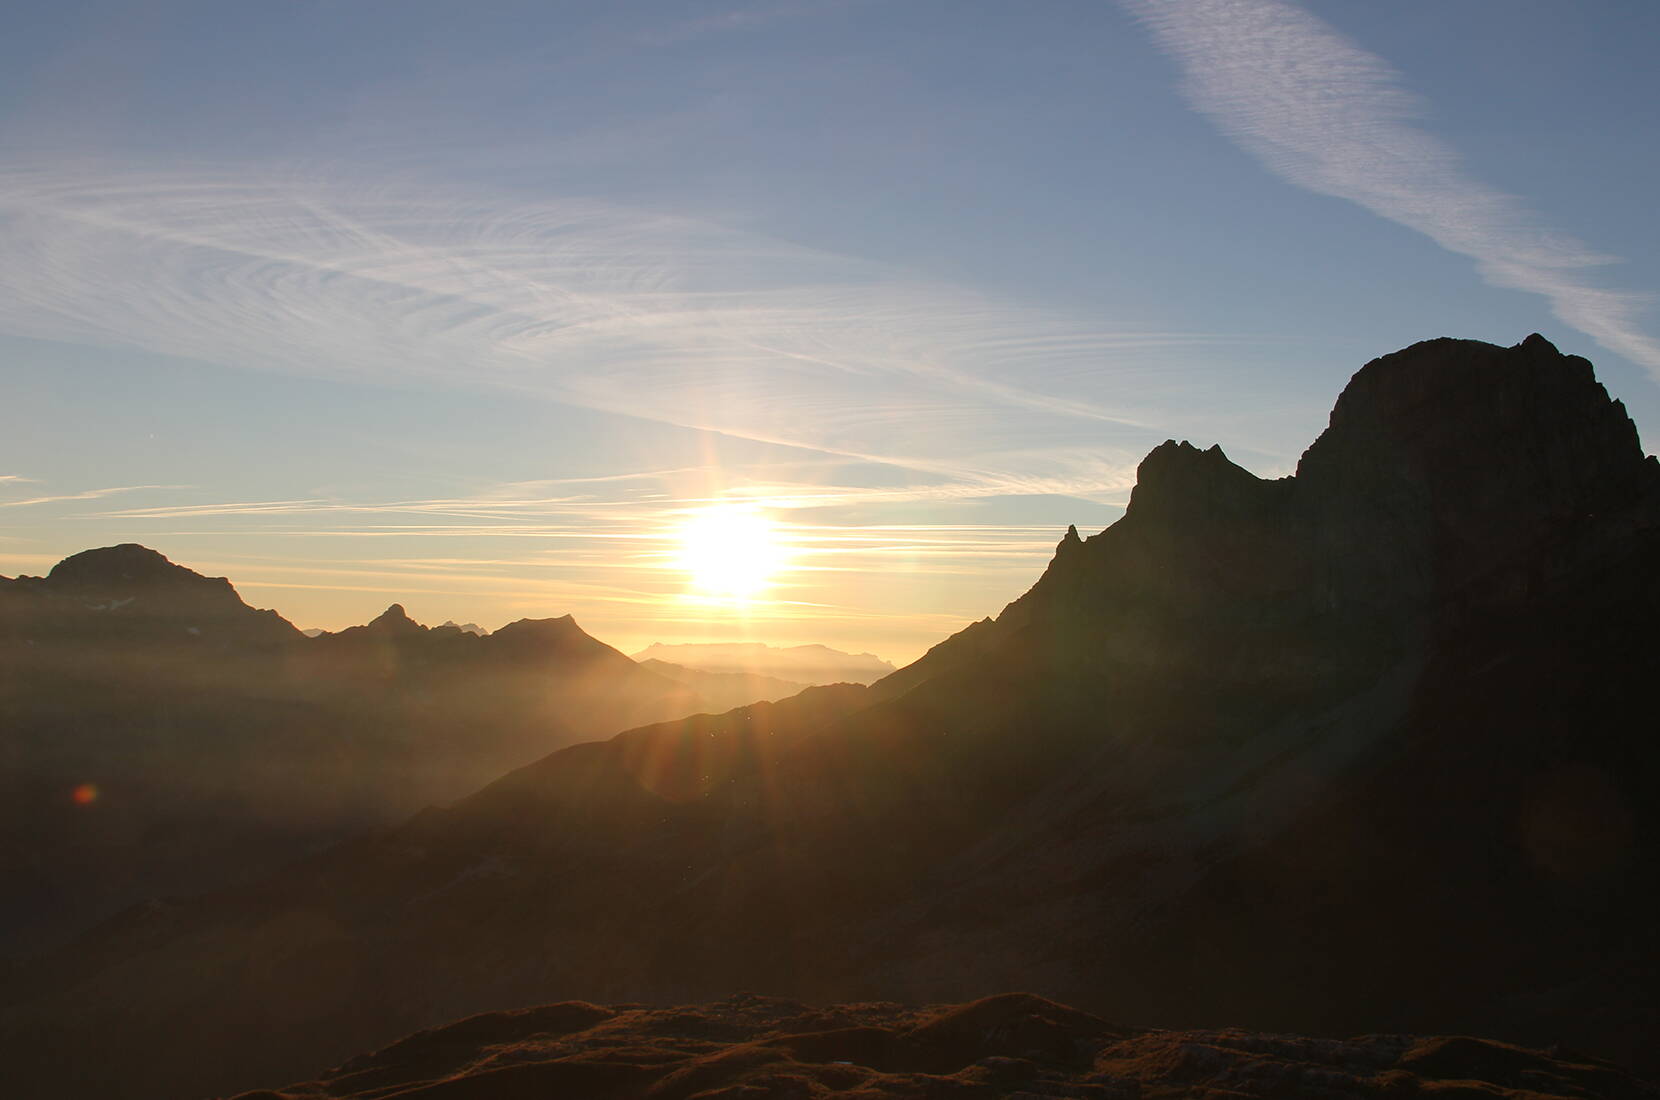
(85, 795)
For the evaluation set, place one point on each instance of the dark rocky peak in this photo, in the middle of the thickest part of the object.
(1070, 552)
(133, 592)
(1178, 483)
(395, 621)
(1448, 471)
(128, 571)
(1454, 459)
(564, 625)
(391, 630)
(540, 639)
(1482, 432)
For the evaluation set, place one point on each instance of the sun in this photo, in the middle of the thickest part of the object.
(731, 551)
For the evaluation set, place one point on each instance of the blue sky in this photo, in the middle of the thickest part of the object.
(470, 307)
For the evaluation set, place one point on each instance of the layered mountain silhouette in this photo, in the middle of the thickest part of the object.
(213, 741)
(733, 688)
(800, 664)
(1365, 749)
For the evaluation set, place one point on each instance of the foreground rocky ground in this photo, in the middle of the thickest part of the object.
(1012, 1045)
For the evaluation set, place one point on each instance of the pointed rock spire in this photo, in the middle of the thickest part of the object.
(395, 621)
(1069, 542)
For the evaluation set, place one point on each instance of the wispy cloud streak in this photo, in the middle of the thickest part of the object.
(1109, 480)
(628, 311)
(1328, 116)
(89, 494)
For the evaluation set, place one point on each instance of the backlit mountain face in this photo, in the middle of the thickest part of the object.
(213, 742)
(1361, 750)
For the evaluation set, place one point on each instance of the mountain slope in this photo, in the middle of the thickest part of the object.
(1360, 749)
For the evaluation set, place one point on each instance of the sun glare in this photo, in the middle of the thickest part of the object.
(731, 551)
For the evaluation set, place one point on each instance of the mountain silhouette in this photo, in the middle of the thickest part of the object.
(1359, 750)
(215, 742)
(735, 689)
(803, 664)
(129, 592)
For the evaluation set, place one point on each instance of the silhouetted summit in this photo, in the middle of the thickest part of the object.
(1473, 453)
(130, 591)
(1362, 750)
(1179, 483)
(394, 620)
(537, 639)
(1481, 434)
(1446, 463)
(122, 568)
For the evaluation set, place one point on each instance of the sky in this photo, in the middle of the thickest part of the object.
(475, 307)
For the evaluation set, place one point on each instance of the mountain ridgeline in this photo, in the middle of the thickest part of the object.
(1365, 749)
(801, 664)
(216, 742)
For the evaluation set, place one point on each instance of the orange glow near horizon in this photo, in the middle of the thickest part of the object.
(85, 795)
(731, 551)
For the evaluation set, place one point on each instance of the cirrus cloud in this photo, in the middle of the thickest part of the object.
(1328, 116)
(606, 307)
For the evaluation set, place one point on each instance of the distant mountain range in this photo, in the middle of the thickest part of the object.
(802, 664)
(733, 688)
(467, 628)
(212, 741)
(1363, 750)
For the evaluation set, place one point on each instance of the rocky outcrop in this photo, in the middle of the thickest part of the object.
(1452, 459)
(1009, 1046)
(1480, 436)
(1180, 487)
